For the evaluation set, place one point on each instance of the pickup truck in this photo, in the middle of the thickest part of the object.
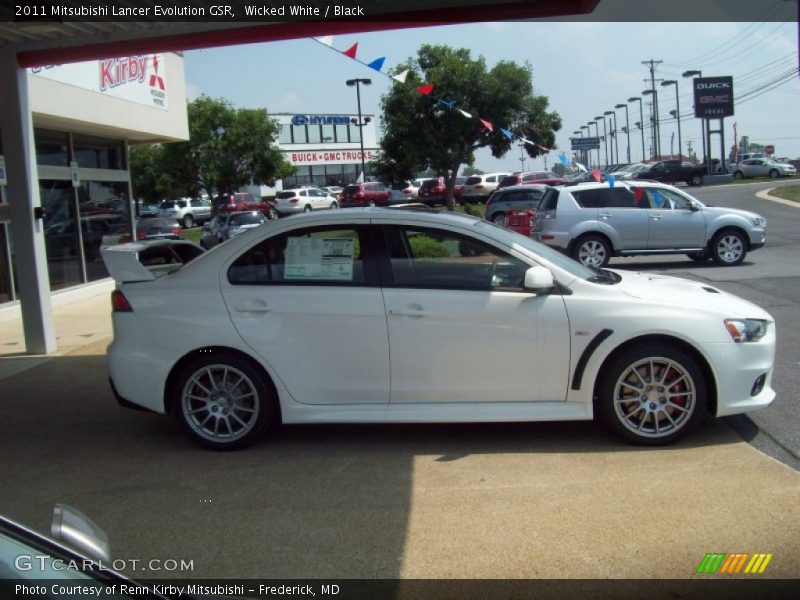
(670, 171)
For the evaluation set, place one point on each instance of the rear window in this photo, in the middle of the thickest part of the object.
(352, 189)
(247, 219)
(429, 183)
(167, 204)
(284, 195)
(619, 197)
(473, 180)
(510, 180)
(460, 181)
(550, 200)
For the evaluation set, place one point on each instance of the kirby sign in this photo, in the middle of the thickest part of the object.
(139, 78)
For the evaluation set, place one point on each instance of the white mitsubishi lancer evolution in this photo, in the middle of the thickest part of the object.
(392, 316)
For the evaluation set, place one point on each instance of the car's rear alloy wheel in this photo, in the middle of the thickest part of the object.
(272, 214)
(696, 180)
(334, 206)
(738, 175)
(728, 248)
(499, 219)
(188, 221)
(774, 174)
(592, 251)
(653, 396)
(307, 208)
(223, 402)
(372, 203)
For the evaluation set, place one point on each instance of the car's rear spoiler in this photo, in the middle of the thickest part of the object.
(147, 260)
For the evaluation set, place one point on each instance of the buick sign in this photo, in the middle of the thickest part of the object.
(713, 97)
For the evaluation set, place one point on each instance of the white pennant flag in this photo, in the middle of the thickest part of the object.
(327, 40)
(401, 77)
(465, 113)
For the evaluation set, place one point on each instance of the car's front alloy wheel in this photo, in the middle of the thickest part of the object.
(188, 222)
(653, 396)
(729, 248)
(223, 402)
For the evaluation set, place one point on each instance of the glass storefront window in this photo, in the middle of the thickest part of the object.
(342, 134)
(314, 136)
(98, 153)
(285, 135)
(299, 134)
(60, 233)
(52, 148)
(105, 220)
(327, 134)
(355, 133)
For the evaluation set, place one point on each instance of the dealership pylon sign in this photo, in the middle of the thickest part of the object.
(713, 97)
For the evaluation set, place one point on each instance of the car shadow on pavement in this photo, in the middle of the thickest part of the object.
(309, 501)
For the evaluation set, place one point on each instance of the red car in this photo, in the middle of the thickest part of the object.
(372, 193)
(434, 191)
(521, 221)
(240, 202)
(542, 177)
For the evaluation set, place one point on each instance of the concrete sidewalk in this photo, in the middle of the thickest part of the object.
(466, 501)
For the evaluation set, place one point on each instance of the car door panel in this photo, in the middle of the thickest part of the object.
(671, 222)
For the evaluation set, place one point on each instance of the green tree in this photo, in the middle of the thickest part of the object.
(420, 133)
(227, 148)
(471, 170)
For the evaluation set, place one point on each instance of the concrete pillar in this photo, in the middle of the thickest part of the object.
(27, 232)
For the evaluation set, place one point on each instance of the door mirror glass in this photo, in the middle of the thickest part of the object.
(539, 280)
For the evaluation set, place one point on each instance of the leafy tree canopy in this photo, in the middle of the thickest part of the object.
(420, 133)
(227, 149)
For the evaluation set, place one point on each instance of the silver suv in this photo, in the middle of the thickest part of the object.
(187, 211)
(593, 222)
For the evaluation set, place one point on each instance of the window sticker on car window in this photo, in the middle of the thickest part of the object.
(319, 258)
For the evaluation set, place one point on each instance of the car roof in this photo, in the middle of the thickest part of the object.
(593, 185)
(522, 186)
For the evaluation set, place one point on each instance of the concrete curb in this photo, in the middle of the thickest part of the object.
(765, 195)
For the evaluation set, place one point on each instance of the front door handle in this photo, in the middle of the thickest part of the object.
(656, 217)
(411, 312)
(604, 215)
(254, 309)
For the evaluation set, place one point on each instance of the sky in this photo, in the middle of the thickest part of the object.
(584, 68)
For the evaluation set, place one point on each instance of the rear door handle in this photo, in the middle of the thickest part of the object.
(409, 313)
(604, 215)
(254, 309)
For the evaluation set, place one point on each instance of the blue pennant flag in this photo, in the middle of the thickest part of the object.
(377, 64)
(507, 133)
(657, 199)
(447, 103)
(562, 158)
(611, 181)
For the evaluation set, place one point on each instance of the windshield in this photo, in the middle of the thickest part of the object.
(562, 261)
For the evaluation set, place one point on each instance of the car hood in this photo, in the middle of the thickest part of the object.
(687, 294)
(716, 211)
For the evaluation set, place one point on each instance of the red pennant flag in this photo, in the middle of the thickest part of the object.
(351, 51)
(425, 89)
(486, 124)
(596, 175)
(638, 194)
(545, 149)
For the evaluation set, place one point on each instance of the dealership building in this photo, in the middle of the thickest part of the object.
(326, 148)
(83, 117)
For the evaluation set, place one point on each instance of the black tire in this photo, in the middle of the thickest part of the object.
(695, 180)
(664, 418)
(738, 175)
(187, 221)
(595, 250)
(729, 247)
(498, 218)
(307, 208)
(774, 174)
(334, 206)
(371, 203)
(698, 256)
(262, 408)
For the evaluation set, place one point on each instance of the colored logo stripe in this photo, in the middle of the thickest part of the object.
(720, 562)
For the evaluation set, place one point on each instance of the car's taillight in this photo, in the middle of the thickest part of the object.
(177, 231)
(119, 303)
(294, 200)
(407, 191)
(478, 187)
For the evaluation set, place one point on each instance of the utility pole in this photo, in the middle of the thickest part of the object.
(656, 130)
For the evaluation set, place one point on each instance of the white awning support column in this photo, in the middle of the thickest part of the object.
(30, 256)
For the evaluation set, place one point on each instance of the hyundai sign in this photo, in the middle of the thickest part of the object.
(713, 97)
(320, 120)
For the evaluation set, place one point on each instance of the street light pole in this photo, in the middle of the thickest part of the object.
(702, 121)
(615, 145)
(641, 121)
(627, 130)
(677, 113)
(361, 122)
(587, 153)
(597, 135)
(656, 140)
(605, 135)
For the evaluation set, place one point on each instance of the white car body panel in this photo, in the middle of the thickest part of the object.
(187, 311)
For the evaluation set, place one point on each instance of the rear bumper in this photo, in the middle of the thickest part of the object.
(123, 402)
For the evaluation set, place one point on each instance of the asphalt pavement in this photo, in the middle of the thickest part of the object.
(769, 277)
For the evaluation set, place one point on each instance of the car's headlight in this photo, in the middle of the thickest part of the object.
(759, 221)
(746, 330)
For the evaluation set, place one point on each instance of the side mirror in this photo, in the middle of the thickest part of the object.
(694, 207)
(78, 531)
(538, 280)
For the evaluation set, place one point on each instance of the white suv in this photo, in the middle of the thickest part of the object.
(477, 188)
(593, 222)
(187, 211)
(303, 199)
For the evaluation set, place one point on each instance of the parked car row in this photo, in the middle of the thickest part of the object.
(761, 167)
